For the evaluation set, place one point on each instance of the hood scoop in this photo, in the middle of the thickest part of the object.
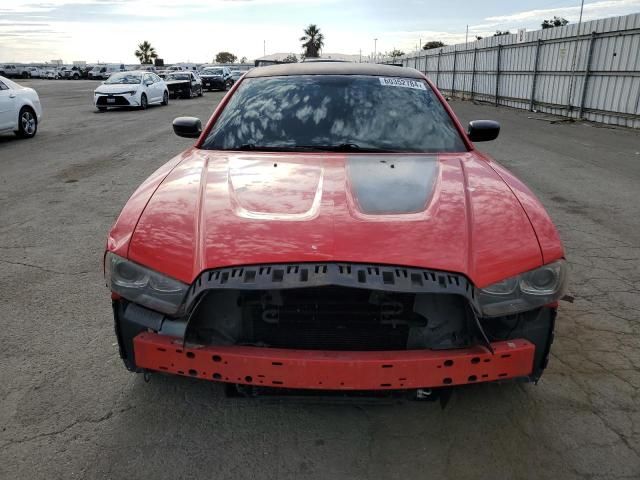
(274, 189)
(391, 185)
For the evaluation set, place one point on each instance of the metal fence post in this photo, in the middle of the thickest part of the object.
(587, 69)
(498, 75)
(453, 78)
(473, 70)
(535, 76)
(438, 67)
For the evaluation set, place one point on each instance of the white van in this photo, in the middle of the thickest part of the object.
(102, 72)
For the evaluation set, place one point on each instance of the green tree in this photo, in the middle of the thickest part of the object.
(243, 60)
(395, 53)
(555, 22)
(433, 44)
(499, 33)
(312, 41)
(146, 53)
(225, 57)
(291, 58)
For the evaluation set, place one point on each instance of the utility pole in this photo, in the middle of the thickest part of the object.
(573, 63)
(360, 55)
(466, 36)
(375, 50)
(264, 48)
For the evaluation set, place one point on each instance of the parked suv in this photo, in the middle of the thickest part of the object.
(218, 78)
(71, 73)
(102, 72)
(14, 71)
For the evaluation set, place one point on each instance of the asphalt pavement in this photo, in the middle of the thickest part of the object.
(69, 409)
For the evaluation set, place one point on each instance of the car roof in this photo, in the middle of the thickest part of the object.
(334, 68)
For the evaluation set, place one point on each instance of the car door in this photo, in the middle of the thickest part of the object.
(8, 118)
(159, 85)
(158, 90)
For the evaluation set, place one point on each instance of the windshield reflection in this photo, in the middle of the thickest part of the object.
(329, 110)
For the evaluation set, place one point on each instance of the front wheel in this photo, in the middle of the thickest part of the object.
(165, 98)
(27, 123)
(143, 102)
(102, 109)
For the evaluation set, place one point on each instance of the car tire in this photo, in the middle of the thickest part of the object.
(143, 102)
(76, 77)
(165, 98)
(25, 75)
(27, 123)
(102, 109)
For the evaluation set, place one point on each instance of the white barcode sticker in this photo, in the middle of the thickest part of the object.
(402, 82)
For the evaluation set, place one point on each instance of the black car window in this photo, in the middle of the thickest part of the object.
(3, 86)
(308, 111)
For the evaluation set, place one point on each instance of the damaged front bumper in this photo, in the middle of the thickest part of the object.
(152, 342)
(336, 370)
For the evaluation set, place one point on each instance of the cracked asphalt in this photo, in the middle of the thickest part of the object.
(70, 410)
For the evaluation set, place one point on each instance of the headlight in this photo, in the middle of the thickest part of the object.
(144, 286)
(526, 291)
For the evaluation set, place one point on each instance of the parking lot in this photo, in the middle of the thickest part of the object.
(69, 409)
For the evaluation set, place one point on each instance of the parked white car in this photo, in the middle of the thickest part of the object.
(35, 72)
(105, 71)
(51, 74)
(20, 109)
(131, 89)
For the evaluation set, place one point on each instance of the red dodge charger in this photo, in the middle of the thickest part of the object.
(335, 228)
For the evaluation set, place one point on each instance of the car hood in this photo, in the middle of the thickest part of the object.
(117, 88)
(450, 212)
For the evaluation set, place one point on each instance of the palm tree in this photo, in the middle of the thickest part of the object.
(146, 53)
(312, 41)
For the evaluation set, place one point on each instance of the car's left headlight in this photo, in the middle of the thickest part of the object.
(526, 291)
(144, 286)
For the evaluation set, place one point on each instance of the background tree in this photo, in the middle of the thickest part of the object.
(291, 58)
(478, 37)
(225, 57)
(433, 44)
(145, 53)
(395, 53)
(499, 33)
(555, 22)
(312, 41)
(243, 60)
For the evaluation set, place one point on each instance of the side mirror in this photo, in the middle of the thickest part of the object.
(188, 127)
(148, 82)
(483, 130)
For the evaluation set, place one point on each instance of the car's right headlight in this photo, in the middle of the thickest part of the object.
(526, 291)
(144, 286)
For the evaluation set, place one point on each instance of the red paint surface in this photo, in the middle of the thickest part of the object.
(208, 209)
(329, 370)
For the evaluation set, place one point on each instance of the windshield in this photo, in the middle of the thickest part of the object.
(212, 71)
(179, 76)
(124, 78)
(342, 112)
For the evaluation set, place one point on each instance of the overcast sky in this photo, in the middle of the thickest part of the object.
(194, 30)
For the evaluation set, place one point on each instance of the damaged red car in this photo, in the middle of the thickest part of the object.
(334, 228)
